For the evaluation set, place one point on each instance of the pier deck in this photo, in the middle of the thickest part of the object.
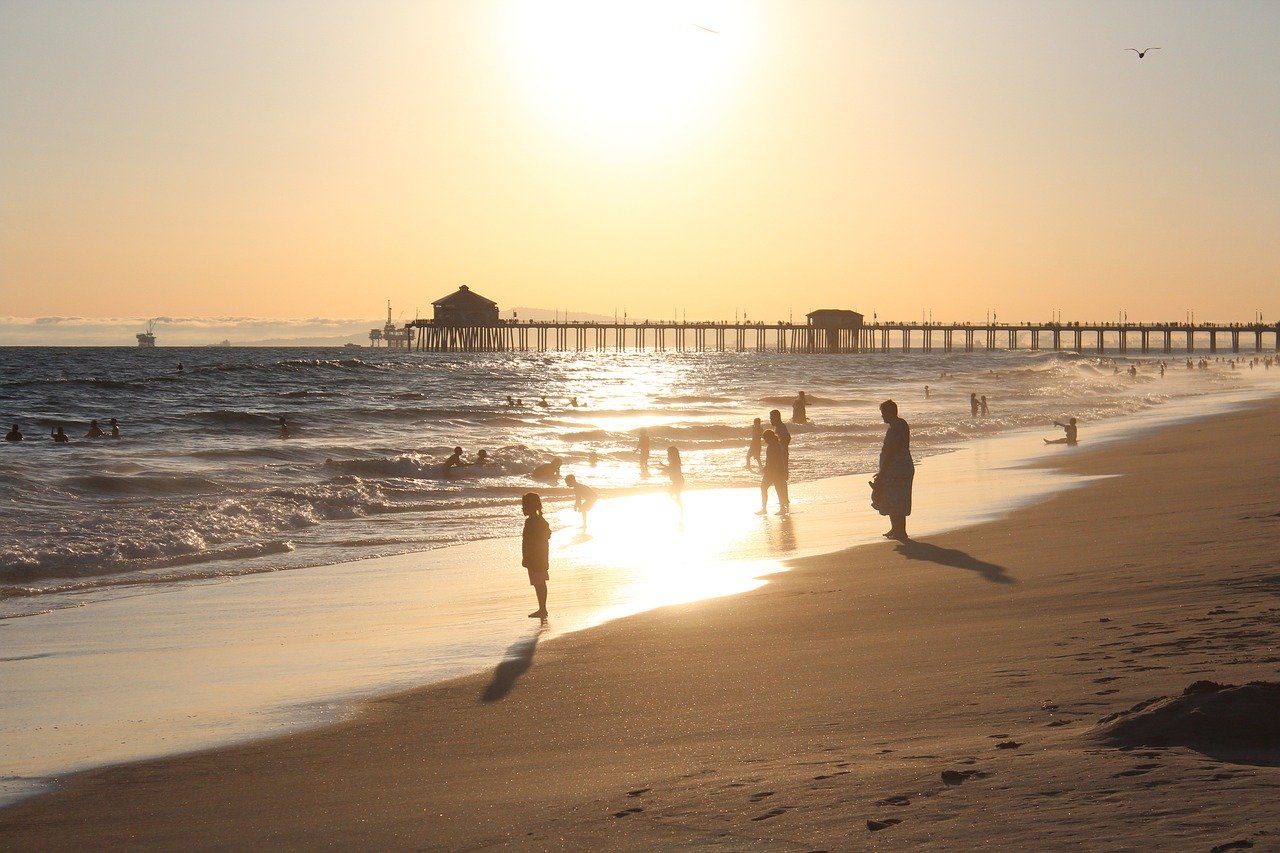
(534, 336)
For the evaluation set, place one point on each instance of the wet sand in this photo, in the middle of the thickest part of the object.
(945, 692)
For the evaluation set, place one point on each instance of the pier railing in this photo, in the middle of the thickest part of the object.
(1121, 338)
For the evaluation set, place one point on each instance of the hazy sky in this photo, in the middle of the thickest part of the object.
(271, 158)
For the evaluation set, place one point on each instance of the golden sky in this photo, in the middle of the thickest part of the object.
(313, 159)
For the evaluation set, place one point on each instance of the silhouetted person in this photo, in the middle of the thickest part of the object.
(753, 449)
(675, 473)
(927, 392)
(584, 497)
(535, 547)
(543, 403)
(773, 474)
(14, 434)
(284, 427)
(592, 459)
(1069, 428)
(59, 436)
(180, 368)
(891, 489)
(973, 405)
(800, 410)
(95, 431)
(510, 402)
(644, 448)
(549, 471)
(482, 458)
(573, 401)
(454, 461)
(982, 406)
(784, 438)
(115, 428)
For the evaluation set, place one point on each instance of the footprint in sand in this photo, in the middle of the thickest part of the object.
(625, 812)
(1238, 844)
(771, 813)
(959, 777)
(895, 800)
(1008, 744)
(760, 795)
(877, 825)
(638, 792)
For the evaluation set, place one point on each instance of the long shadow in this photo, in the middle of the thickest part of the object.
(914, 550)
(515, 663)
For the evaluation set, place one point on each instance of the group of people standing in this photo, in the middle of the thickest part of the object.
(890, 490)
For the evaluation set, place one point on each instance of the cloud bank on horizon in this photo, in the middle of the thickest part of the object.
(183, 331)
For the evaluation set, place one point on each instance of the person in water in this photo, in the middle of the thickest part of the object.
(593, 459)
(543, 403)
(115, 428)
(644, 448)
(772, 474)
(1070, 429)
(482, 458)
(549, 471)
(95, 431)
(14, 434)
(535, 548)
(59, 436)
(510, 403)
(927, 392)
(573, 401)
(800, 410)
(675, 473)
(284, 427)
(973, 405)
(784, 438)
(982, 406)
(891, 489)
(753, 449)
(454, 461)
(180, 368)
(584, 497)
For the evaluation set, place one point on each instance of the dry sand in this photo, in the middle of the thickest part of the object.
(943, 693)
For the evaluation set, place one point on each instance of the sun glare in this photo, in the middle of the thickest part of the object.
(626, 76)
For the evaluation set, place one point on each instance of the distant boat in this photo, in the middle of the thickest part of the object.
(147, 339)
(357, 346)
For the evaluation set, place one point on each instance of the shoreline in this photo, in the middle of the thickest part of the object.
(752, 562)
(644, 741)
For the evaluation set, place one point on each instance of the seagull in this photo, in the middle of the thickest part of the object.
(1141, 53)
(707, 29)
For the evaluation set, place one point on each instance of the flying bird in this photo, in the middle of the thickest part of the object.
(707, 29)
(1141, 53)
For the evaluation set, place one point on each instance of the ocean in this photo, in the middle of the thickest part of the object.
(200, 485)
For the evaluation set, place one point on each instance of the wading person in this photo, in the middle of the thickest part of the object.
(891, 489)
(584, 497)
(773, 474)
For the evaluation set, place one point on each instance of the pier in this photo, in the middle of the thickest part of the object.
(725, 336)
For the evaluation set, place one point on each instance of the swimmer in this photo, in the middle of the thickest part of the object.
(510, 402)
(454, 461)
(284, 427)
(573, 401)
(549, 471)
(799, 410)
(584, 497)
(982, 406)
(14, 434)
(643, 449)
(180, 368)
(482, 458)
(592, 459)
(927, 392)
(59, 436)
(95, 431)
(115, 428)
(1070, 428)
(543, 403)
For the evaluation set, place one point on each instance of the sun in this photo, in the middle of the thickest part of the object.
(626, 76)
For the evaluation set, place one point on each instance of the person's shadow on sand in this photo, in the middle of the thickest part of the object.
(913, 550)
(515, 663)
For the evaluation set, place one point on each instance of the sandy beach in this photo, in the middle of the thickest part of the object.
(947, 692)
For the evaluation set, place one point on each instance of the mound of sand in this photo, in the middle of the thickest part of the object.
(1209, 717)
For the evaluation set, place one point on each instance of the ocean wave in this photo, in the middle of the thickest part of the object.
(144, 484)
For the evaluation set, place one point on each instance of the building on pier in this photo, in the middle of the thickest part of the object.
(464, 307)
